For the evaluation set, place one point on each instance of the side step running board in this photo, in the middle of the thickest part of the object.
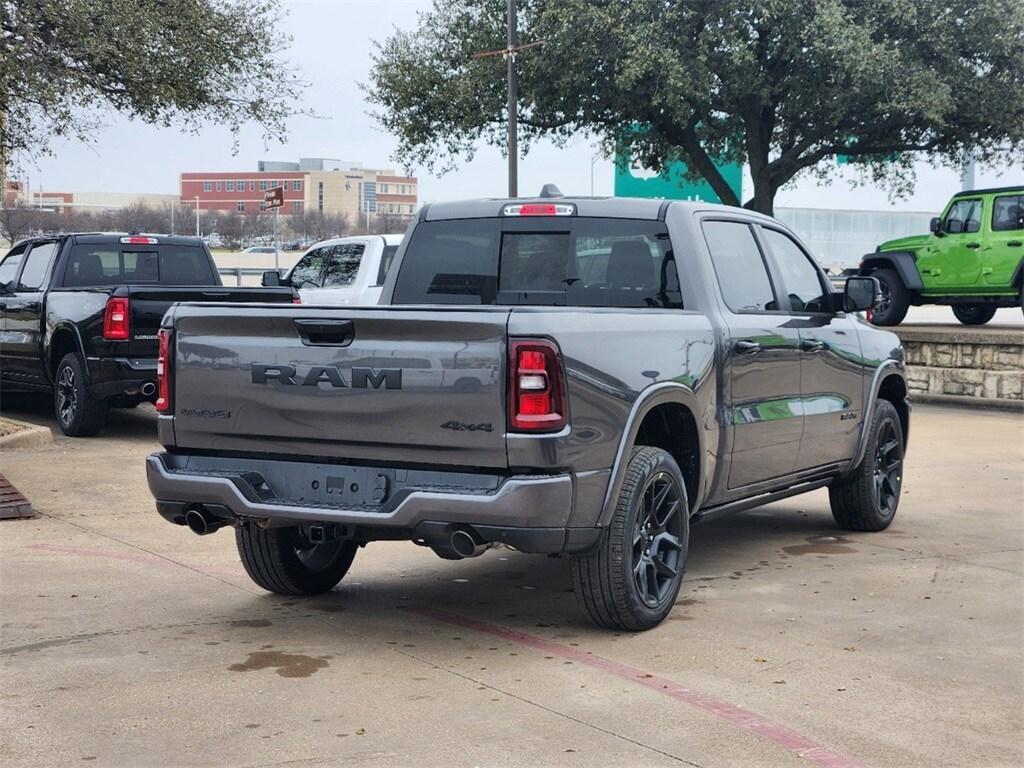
(713, 513)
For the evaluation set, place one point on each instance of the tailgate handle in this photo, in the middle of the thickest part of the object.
(332, 333)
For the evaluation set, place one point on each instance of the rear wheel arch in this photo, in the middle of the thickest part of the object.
(893, 388)
(676, 404)
(63, 341)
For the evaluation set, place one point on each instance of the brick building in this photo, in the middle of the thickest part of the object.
(312, 184)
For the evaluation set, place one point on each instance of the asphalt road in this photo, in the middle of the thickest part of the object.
(128, 642)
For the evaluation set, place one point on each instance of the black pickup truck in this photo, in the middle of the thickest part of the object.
(79, 315)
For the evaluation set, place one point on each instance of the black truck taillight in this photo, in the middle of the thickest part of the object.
(117, 319)
(163, 370)
(536, 387)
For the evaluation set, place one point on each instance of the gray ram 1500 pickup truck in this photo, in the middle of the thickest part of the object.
(579, 376)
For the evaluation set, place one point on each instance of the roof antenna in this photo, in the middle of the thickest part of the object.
(550, 190)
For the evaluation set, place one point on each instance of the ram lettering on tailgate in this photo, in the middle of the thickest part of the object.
(360, 378)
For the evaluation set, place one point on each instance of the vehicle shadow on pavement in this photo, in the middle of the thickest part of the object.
(37, 408)
(507, 587)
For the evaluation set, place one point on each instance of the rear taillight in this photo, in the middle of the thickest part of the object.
(536, 390)
(163, 370)
(116, 319)
(296, 300)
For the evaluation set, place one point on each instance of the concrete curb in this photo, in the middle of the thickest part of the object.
(993, 403)
(28, 437)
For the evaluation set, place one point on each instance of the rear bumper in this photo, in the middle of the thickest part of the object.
(530, 513)
(113, 376)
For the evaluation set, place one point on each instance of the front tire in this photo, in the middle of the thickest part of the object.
(974, 314)
(631, 578)
(866, 500)
(79, 414)
(895, 299)
(284, 561)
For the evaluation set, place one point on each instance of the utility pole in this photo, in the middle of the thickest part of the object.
(172, 218)
(967, 178)
(197, 215)
(513, 104)
(509, 52)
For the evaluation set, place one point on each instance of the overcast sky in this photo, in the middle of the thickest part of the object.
(332, 42)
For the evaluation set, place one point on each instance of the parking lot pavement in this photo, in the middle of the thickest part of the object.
(126, 641)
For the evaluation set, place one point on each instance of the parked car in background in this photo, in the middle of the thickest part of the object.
(347, 270)
(579, 376)
(79, 316)
(972, 260)
(260, 249)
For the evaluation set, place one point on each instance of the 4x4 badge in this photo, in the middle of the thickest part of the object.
(458, 426)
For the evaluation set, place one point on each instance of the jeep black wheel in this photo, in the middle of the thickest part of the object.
(866, 500)
(894, 302)
(631, 578)
(79, 414)
(285, 561)
(974, 314)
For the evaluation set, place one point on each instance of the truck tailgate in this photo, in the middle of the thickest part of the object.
(389, 384)
(150, 302)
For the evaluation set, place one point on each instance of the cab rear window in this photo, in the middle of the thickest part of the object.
(583, 262)
(98, 265)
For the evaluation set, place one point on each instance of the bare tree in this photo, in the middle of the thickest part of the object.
(18, 220)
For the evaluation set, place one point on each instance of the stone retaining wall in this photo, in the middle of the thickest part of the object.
(960, 364)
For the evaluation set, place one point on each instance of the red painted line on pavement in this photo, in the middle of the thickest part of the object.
(130, 557)
(738, 716)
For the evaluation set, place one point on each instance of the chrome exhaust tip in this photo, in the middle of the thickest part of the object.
(465, 544)
(201, 522)
(148, 389)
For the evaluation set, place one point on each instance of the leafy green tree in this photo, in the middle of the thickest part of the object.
(782, 85)
(164, 62)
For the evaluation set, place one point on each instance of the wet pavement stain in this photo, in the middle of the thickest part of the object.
(251, 623)
(329, 608)
(286, 664)
(821, 545)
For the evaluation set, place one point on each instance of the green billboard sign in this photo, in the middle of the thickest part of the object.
(633, 181)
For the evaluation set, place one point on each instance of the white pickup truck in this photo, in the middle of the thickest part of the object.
(346, 270)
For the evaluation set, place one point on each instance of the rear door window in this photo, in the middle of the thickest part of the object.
(573, 262)
(107, 264)
(739, 266)
(343, 265)
(1008, 213)
(386, 257)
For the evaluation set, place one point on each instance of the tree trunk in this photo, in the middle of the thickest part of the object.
(763, 200)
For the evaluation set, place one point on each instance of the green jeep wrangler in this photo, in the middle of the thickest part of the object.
(972, 260)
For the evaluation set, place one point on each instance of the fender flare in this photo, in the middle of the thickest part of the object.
(48, 345)
(650, 398)
(904, 262)
(888, 368)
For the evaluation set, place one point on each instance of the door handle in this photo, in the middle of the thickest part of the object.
(32, 306)
(332, 333)
(972, 246)
(812, 345)
(747, 347)
(1015, 243)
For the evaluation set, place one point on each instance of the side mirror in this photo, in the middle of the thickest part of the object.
(271, 279)
(861, 293)
(954, 226)
(935, 225)
(972, 226)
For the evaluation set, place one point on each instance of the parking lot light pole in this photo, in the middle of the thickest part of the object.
(197, 215)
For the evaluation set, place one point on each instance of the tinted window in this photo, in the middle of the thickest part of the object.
(94, 265)
(9, 266)
(741, 271)
(386, 257)
(36, 264)
(307, 272)
(343, 265)
(803, 283)
(574, 261)
(1008, 213)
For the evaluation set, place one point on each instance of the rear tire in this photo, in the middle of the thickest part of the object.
(284, 561)
(974, 314)
(631, 578)
(895, 299)
(79, 414)
(866, 500)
